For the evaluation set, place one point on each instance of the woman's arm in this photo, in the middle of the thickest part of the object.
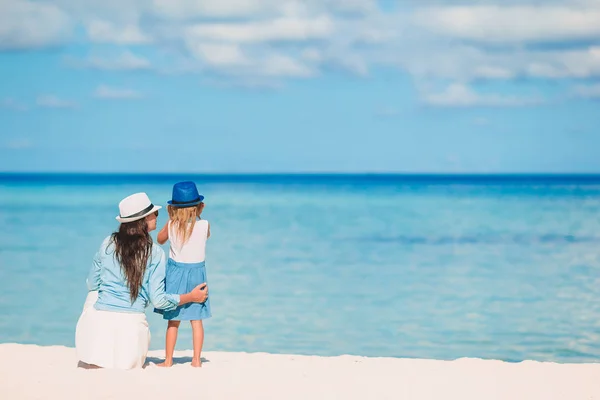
(163, 235)
(165, 301)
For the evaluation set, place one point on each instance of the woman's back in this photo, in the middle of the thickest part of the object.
(108, 278)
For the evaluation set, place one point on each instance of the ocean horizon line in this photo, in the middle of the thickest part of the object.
(297, 177)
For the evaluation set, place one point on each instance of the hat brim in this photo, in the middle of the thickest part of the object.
(124, 220)
(183, 205)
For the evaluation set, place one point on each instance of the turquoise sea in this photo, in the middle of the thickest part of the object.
(503, 267)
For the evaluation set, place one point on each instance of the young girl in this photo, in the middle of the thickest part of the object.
(187, 234)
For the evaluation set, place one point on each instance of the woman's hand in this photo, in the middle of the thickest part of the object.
(200, 293)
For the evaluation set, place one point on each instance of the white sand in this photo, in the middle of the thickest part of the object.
(33, 372)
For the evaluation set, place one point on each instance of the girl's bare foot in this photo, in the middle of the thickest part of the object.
(166, 363)
(196, 363)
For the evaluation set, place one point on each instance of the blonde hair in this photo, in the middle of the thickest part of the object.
(183, 220)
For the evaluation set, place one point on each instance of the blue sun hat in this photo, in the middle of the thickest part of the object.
(185, 194)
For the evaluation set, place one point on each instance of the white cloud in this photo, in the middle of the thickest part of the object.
(125, 61)
(281, 29)
(51, 101)
(260, 83)
(185, 9)
(467, 63)
(109, 32)
(459, 95)
(565, 64)
(228, 59)
(509, 24)
(12, 104)
(219, 54)
(281, 65)
(188, 10)
(587, 91)
(352, 6)
(254, 40)
(108, 92)
(27, 25)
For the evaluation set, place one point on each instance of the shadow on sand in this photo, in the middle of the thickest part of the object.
(155, 360)
(176, 360)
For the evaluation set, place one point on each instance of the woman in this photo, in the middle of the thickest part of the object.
(127, 273)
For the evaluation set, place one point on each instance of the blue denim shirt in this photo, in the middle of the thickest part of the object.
(106, 276)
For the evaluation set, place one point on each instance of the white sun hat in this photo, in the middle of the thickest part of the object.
(134, 207)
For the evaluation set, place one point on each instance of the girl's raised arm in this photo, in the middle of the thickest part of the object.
(93, 279)
(163, 235)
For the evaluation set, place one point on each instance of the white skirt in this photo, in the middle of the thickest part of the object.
(111, 339)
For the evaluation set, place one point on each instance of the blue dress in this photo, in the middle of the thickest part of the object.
(181, 278)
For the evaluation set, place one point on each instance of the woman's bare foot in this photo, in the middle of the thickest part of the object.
(166, 363)
(196, 363)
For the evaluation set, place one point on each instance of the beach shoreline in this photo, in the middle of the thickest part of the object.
(50, 372)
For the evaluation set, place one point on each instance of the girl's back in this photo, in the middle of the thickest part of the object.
(194, 249)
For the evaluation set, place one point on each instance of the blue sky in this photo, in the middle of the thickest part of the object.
(289, 86)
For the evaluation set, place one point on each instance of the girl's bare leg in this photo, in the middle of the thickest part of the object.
(172, 330)
(198, 335)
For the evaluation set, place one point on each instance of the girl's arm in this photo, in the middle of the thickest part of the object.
(93, 278)
(165, 301)
(163, 235)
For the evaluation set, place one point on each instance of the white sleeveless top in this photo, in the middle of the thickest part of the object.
(194, 250)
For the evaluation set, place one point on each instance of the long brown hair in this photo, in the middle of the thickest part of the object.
(183, 220)
(133, 247)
